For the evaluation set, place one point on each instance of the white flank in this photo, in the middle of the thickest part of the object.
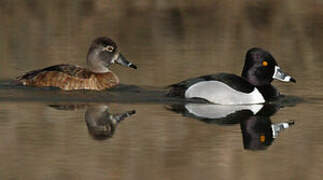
(220, 93)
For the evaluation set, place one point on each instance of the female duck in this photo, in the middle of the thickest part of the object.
(253, 87)
(102, 53)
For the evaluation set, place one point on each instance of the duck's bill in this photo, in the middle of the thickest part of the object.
(120, 117)
(282, 76)
(123, 61)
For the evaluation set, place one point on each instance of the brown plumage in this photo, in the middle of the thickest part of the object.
(69, 77)
(102, 53)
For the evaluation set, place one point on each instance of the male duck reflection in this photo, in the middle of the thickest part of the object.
(253, 87)
(102, 53)
(258, 132)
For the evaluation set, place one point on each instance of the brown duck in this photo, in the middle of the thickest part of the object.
(102, 53)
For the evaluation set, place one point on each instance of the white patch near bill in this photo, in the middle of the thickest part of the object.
(114, 58)
(280, 75)
(276, 128)
(220, 93)
(215, 111)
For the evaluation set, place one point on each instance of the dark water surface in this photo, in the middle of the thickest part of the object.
(133, 131)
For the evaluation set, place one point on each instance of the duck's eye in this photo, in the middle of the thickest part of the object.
(262, 138)
(264, 63)
(108, 48)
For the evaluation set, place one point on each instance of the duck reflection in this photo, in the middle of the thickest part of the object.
(100, 122)
(258, 132)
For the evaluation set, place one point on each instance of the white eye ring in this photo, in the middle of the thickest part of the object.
(108, 48)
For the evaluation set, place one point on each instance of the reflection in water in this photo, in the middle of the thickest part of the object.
(100, 122)
(258, 131)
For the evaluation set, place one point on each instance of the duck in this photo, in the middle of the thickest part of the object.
(252, 87)
(102, 53)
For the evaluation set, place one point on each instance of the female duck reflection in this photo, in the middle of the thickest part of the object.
(258, 132)
(100, 122)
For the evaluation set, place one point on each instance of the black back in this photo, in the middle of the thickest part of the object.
(231, 80)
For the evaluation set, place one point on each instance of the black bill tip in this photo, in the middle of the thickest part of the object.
(293, 80)
(291, 122)
(133, 66)
(132, 112)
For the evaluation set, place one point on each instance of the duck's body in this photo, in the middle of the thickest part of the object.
(252, 87)
(103, 52)
(69, 77)
(222, 88)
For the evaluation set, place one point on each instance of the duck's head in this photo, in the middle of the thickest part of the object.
(102, 53)
(261, 68)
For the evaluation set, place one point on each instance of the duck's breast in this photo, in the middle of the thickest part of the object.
(105, 80)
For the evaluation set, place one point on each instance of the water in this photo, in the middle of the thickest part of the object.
(51, 134)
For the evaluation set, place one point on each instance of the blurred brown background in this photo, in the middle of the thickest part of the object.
(169, 40)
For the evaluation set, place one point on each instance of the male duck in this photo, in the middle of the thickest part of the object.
(253, 87)
(102, 53)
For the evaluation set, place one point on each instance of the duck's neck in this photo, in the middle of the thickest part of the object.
(95, 64)
(269, 92)
(251, 78)
(99, 69)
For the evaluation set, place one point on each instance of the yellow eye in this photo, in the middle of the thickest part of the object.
(262, 138)
(264, 63)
